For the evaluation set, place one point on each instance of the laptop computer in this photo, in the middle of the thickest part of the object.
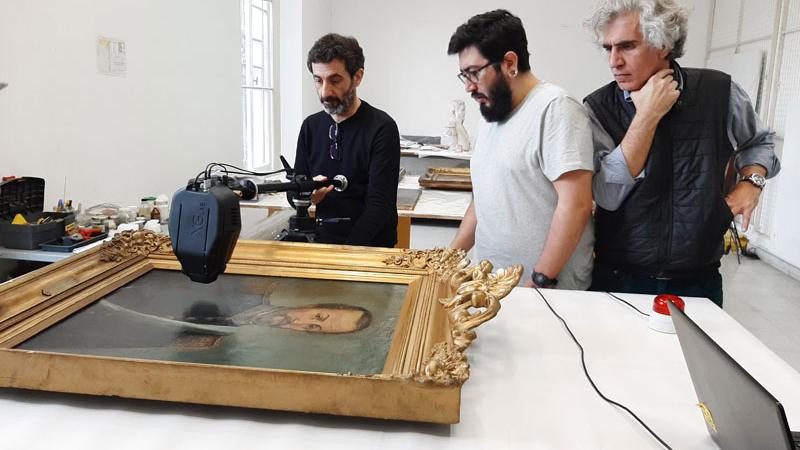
(739, 412)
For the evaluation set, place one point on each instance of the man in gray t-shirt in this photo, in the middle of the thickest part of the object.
(532, 165)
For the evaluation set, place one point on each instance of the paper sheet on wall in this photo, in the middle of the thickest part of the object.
(111, 57)
(744, 68)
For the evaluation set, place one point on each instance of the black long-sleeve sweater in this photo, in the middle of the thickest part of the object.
(369, 145)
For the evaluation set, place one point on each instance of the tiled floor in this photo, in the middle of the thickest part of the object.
(766, 302)
(763, 299)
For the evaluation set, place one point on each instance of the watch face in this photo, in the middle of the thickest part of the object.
(542, 280)
(757, 179)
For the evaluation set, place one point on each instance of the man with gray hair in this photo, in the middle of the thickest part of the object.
(664, 136)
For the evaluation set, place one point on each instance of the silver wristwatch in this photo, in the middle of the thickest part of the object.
(756, 179)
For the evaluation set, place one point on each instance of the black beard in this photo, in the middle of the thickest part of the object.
(336, 106)
(500, 96)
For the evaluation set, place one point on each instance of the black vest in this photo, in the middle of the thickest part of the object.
(672, 223)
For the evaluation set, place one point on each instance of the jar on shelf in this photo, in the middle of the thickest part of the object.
(145, 207)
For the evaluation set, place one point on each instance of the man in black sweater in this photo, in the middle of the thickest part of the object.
(354, 139)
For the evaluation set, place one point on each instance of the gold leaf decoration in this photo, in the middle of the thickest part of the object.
(60, 285)
(477, 288)
(135, 243)
(444, 367)
(441, 261)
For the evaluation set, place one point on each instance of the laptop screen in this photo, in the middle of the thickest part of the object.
(739, 412)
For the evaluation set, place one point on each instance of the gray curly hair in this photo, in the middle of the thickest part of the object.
(663, 22)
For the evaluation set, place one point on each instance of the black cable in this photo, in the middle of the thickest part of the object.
(588, 377)
(197, 177)
(623, 301)
(260, 174)
(234, 172)
(207, 172)
(242, 171)
(210, 169)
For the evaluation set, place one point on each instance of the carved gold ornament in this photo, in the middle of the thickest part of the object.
(477, 288)
(441, 261)
(135, 243)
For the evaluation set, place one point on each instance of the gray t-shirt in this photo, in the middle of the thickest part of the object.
(513, 168)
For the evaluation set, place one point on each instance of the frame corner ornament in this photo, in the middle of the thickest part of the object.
(478, 288)
(442, 261)
(135, 243)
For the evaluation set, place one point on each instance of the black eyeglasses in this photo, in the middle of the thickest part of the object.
(333, 135)
(473, 75)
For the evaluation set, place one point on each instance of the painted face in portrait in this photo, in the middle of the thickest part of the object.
(631, 59)
(335, 87)
(331, 319)
(486, 84)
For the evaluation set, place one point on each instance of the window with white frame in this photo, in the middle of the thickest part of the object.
(258, 92)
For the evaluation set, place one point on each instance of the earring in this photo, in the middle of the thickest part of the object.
(513, 73)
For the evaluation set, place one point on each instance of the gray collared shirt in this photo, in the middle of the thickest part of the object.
(752, 143)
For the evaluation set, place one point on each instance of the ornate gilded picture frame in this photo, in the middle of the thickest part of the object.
(313, 328)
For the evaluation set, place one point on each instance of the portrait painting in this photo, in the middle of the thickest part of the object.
(331, 326)
(289, 326)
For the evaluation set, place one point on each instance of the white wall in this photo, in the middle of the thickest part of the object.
(317, 16)
(116, 139)
(302, 23)
(409, 75)
(290, 75)
(785, 243)
(178, 108)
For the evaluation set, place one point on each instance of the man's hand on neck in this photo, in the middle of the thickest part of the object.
(652, 101)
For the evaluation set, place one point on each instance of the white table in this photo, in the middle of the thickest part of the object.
(42, 255)
(526, 391)
(432, 204)
(32, 255)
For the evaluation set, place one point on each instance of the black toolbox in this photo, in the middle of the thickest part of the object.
(26, 196)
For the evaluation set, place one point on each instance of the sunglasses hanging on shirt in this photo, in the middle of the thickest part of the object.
(334, 149)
